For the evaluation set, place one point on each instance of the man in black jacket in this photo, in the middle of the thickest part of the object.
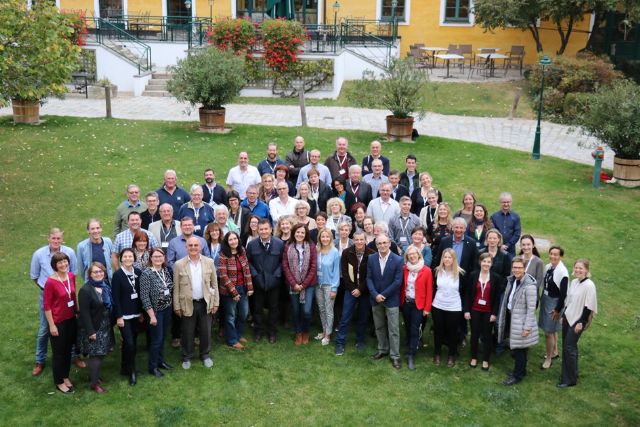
(464, 246)
(265, 261)
(296, 159)
(397, 190)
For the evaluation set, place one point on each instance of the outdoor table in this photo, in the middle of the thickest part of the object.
(492, 58)
(433, 51)
(448, 57)
(497, 49)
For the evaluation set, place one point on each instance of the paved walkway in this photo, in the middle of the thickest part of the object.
(518, 134)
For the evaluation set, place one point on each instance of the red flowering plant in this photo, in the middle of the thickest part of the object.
(238, 35)
(282, 40)
(77, 19)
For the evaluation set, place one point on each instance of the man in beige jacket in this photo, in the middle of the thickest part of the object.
(195, 299)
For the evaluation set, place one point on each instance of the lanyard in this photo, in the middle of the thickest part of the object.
(479, 233)
(355, 189)
(341, 162)
(131, 278)
(163, 277)
(67, 287)
(483, 286)
(273, 168)
(196, 213)
(166, 235)
(404, 222)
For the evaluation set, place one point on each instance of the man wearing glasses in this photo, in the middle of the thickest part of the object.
(283, 204)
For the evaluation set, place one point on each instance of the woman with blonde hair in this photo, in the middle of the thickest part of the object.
(267, 189)
(468, 206)
(283, 227)
(336, 213)
(304, 193)
(419, 195)
(328, 281)
(302, 215)
(441, 227)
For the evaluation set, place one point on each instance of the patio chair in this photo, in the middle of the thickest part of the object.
(456, 62)
(515, 55)
(421, 57)
(481, 65)
(466, 50)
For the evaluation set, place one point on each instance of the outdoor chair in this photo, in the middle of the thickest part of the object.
(481, 66)
(516, 55)
(466, 50)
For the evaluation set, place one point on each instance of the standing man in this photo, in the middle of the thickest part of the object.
(376, 178)
(361, 190)
(397, 190)
(402, 226)
(410, 178)
(177, 248)
(151, 214)
(195, 300)
(212, 193)
(254, 205)
(40, 270)
(201, 213)
(314, 163)
(132, 203)
(353, 270)
(269, 164)
(222, 218)
(508, 222)
(94, 249)
(166, 228)
(464, 246)
(171, 193)
(265, 260)
(296, 159)
(124, 239)
(242, 176)
(375, 150)
(283, 204)
(383, 208)
(340, 161)
(384, 277)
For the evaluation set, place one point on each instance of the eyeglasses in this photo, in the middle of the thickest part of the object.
(97, 272)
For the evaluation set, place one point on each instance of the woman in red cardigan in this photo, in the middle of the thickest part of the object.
(235, 287)
(415, 298)
(299, 264)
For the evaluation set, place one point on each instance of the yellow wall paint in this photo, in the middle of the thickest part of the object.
(86, 5)
(141, 7)
(221, 8)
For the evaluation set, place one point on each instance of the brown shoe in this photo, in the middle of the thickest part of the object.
(451, 362)
(243, 340)
(298, 339)
(97, 388)
(175, 343)
(37, 370)
(305, 338)
(79, 363)
(237, 346)
(436, 360)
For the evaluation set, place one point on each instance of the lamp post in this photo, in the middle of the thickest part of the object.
(336, 8)
(394, 5)
(544, 63)
(211, 11)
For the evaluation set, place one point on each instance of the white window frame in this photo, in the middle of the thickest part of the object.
(407, 12)
(444, 23)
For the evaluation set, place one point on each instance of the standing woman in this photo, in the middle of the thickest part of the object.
(441, 227)
(449, 294)
(580, 306)
(348, 199)
(250, 231)
(419, 195)
(481, 307)
(283, 227)
(533, 264)
(267, 189)
(369, 229)
(468, 207)
(235, 287)
(299, 264)
(302, 215)
(282, 175)
(140, 248)
(343, 241)
(96, 333)
(127, 310)
(304, 193)
(358, 212)
(336, 214)
(429, 213)
(59, 299)
(418, 241)
(479, 226)
(500, 263)
(556, 280)
(415, 298)
(321, 224)
(328, 282)
(156, 285)
(213, 236)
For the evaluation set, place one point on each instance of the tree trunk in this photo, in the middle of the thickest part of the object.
(564, 37)
(303, 109)
(536, 36)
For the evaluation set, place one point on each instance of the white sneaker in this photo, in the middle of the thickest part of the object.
(186, 365)
(319, 336)
(325, 341)
(208, 362)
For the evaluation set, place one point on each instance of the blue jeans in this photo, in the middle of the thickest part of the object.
(157, 333)
(235, 315)
(412, 323)
(43, 334)
(348, 308)
(301, 313)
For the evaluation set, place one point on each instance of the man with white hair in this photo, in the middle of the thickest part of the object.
(361, 190)
(340, 161)
(242, 176)
(201, 212)
(402, 226)
(464, 246)
(222, 219)
(171, 193)
(166, 228)
(375, 150)
(269, 164)
(282, 205)
(376, 178)
(314, 163)
(132, 203)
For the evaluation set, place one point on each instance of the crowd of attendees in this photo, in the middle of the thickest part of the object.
(360, 239)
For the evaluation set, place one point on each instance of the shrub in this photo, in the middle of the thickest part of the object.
(282, 40)
(403, 89)
(574, 105)
(239, 34)
(630, 69)
(364, 93)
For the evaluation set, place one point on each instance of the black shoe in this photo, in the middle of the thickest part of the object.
(272, 338)
(157, 373)
(565, 385)
(379, 355)
(257, 337)
(511, 381)
(165, 365)
(133, 379)
(411, 363)
(395, 363)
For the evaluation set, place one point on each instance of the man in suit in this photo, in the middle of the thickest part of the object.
(397, 190)
(265, 260)
(195, 299)
(384, 208)
(464, 246)
(167, 228)
(384, 277)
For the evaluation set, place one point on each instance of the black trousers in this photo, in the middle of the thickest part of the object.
(569, 373)
(520, 367)
(445, 325)
(268, 299)
(201, 320)
(481, 327)
(129, 335)
(176, 326)
(61, 348)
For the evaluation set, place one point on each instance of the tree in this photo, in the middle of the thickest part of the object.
(38, 52)
(523, 14)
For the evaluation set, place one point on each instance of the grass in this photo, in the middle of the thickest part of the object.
(67, 170)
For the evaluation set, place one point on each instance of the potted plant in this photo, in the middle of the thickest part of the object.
(613, 116)
(38, 54)
(209, 78)
(403, 93)
(96, 91)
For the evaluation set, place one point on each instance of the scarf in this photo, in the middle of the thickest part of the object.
(106, 292)
(415, 268)
(299, 270)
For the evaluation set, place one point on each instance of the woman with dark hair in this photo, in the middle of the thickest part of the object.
(96, 333)
(282, 175)
(429, 214)
(556, 281)
(321, 223)
(250, 231)
(358, 212)
(213, 236)
(156, 285)
(479, 225)
(419, 195)
(339, 191)
(127, 310)
(467, 209)
(235, 287)
(140, 246)
(299, 265)
(533, 264)
(60, 308)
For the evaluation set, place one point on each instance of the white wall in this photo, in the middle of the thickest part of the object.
(119, 71)
(165, 54)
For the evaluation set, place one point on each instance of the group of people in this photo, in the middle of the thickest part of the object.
(361, 239)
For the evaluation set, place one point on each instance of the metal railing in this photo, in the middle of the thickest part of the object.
(385, 29)
(105, 30)
(355, 36)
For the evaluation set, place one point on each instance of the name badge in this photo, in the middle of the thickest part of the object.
(70, 304)
(546, 292)
(166, 292)
(134, 296)
(164, 244)
(478, 244)
(197, 228)
(319, 274)
(482, 302)
(342, 171)
(403, 239)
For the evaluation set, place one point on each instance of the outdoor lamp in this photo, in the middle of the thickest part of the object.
(336, 8)
(544, 63)
(187, 4)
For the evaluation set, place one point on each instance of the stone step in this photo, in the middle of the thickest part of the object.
(156, 85)
(161, 76)
(156, 93)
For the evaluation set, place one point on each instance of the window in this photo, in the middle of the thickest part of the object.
(457, 11)
(387, 10)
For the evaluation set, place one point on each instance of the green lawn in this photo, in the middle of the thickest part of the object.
(67, 170)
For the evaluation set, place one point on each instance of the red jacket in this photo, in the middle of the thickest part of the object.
(310, 278)
(424, 288)
(228, 272)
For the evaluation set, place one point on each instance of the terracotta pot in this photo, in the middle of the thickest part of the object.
(26, 111)
(626, 172)
(211, 120)
(399, 129)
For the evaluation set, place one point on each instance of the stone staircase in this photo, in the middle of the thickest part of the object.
(157, 85)
(128, 52)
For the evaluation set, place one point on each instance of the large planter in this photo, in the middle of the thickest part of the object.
(26, 111)
(399, 129)
(211, 121)
(626, 172)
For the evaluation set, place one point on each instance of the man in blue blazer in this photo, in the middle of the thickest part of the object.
(384, 277)
(464, 246)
